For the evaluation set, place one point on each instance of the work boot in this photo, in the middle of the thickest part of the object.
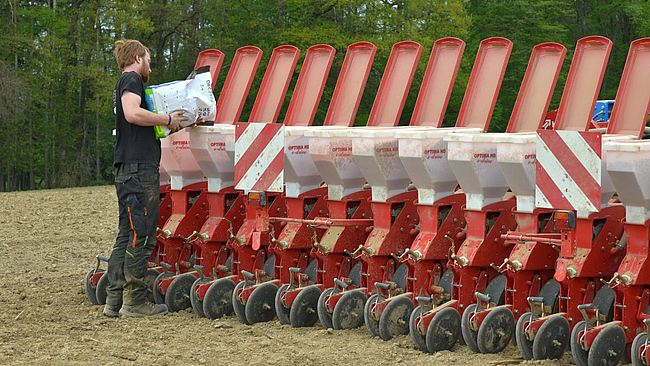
(111, 311)
(142, 310)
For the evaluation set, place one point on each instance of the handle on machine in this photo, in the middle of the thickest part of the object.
(424, 299)
(416, 254)
(166, 267)
(342, 284)
(205, 237)
(193, 235)
(382, 285)
(532, 300)
(199, 268)
(482, 297)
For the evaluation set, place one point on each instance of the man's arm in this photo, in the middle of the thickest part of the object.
(142, 117)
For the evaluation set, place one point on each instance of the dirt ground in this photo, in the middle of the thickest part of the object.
(48, 240)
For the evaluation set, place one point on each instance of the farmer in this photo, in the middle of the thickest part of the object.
(136, 159)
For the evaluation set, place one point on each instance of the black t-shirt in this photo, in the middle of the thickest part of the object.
(134, 144)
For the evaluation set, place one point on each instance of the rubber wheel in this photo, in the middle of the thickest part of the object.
(550, 292)
(88, 286)
(446, 281)
(608, 347)
(195, 301)
(324, 316)
(469, 336)
(218, 299)
(238, 307)
(443, 331)
(280, 310)
(604, 300)
(372, 323)
(579, 355)
(177, 297)
(418, 338)
(399, 277)
(348, 312)
(635, 350)
(303, 310)
(355, 274)
(260, 306)
(100, 291)
(523, 344)
(269, 267)
(394, 320)
(495, 332)
(149, 279)
(158, 296)
(311, 270)
(496, 289)
(228, 263)
(551, 339)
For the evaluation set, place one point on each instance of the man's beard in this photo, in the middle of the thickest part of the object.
(144, 73)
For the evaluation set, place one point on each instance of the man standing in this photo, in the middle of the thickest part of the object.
(136, 160)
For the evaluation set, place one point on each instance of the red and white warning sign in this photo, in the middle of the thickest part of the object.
(568, 170)
(259, 157)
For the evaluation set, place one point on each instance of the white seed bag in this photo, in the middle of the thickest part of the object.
(193, 96)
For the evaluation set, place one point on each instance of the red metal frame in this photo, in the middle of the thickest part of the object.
(576, 107)
(438, 82)
(495, 50)
(275, 84)
(237, 85)
(349, 87)
(395, 84)
(631, 279)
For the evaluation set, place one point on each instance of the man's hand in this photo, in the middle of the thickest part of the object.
(177, 120)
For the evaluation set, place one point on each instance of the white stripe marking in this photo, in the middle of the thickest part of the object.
(540, 199)
(263, 161)
(583, 152)
(562, 179)
(247, 139)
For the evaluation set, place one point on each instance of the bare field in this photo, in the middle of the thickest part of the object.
(48, 240)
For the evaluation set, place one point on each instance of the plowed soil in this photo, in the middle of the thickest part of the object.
(48, 240)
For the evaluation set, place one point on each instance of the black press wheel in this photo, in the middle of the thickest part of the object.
(91, 292)
(635, 351)
(149, 279)
(496, 330)
(324, 316)
(218, 299)
(348, 312)
(177, 297)
(237, 306)
(369, 318)
(443, 331)
(608, 347)
(394, 320)
(260, 306)
(551, 339)
(579, 355)
(469, 335)
(304, 311)
(100, 291)
(418, 338)
(158, 296)
(195, 301)
(280, 310)
(524, 345)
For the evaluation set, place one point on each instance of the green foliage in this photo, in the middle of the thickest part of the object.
(57, 69)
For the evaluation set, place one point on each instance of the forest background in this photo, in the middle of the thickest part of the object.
(57, 70)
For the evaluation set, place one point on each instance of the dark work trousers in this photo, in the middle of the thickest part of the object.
(138, 195)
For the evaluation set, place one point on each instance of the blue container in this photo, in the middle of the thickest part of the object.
(603, 110)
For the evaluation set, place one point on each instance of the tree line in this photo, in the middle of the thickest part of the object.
(57, 70)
